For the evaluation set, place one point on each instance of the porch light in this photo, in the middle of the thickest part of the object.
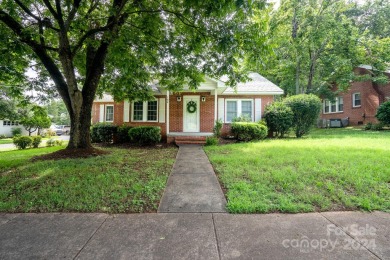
(203, 99)
(178, 98)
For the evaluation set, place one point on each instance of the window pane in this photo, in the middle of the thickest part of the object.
(326, 106)
(231, 110)
(341, 104)
(333, 107)
(246, 109)
(138, 111)
(152, 110)
(357, 99)
(109, 113)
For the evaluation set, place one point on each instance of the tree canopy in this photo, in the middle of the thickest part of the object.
(88, 46)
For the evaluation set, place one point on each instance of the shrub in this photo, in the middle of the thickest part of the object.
(145, 134)
(51, 142)
(211, 140)
(50, 133)
(16, 131)
(122, 134)
(368, 126)
(383, 113)
(377, 127)
(36, 141)
(242, 118)
(246, 131)
(103, 132)
(279, 118)
(217, 128)
(2, 137)
(58, 142)
(306, 109)
(22, 142)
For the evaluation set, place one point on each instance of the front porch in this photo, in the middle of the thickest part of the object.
(188, 137)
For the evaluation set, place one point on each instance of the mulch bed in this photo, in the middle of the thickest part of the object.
(70, 153)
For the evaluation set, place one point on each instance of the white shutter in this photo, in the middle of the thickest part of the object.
(221, 109)
(101, 113)
(161, 110)
(126, 111)
(257, 109)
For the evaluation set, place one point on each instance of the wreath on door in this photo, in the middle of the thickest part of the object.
(191, 107)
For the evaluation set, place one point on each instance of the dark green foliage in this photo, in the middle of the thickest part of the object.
(145, 135)
(122, 134)
(306, 109)
(22, 142)
(279, 118)
(36, 141)
(247, 131)
(211, 140)
(383, 113)
(103, 132)
(368, 126)
(243, 118)
(217, 128)
(377, 127)
(2, 137)
(16, 131)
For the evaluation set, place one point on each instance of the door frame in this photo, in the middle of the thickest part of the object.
(197, 99)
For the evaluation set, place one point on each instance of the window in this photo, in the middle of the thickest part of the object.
(356, 100)
(231, 110)
(237, 108)
(145, 111)
(138, 111)
(334, 107)
(152, 110)
(10, 123)
(109, 113)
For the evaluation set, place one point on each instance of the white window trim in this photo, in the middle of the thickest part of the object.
(330, 104)
(239, 107)
(105, 113)
(354, 99)
(144, 112)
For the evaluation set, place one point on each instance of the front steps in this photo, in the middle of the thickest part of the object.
(190, 140)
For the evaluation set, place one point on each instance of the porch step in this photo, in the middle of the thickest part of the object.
(190, 140)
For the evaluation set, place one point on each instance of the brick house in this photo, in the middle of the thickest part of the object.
(191, 115)
(359, 103)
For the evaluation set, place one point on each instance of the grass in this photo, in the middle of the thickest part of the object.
(332, 169)
(6, 141)
(126, 180)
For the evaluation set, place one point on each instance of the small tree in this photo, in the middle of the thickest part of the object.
(306, 109)
(279, 118)
(383, 113)
(36, 120)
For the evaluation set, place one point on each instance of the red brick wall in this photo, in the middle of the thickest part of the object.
(176, 112)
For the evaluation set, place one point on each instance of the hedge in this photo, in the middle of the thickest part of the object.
(247, 131)
(145, 134)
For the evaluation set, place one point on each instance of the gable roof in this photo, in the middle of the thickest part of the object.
(256, 85)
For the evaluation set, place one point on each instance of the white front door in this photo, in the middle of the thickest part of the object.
(191, 119)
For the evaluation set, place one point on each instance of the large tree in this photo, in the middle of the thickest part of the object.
(90, 46)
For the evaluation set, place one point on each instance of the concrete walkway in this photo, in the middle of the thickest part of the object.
(331, 235)
(192, 186)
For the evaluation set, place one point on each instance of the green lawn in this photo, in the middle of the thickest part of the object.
(332, 169)
(126, 180)
(6, 141)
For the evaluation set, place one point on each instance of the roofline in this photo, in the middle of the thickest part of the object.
(256, 93)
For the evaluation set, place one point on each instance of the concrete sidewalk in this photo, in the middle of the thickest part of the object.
(331, 235)
(192, 186)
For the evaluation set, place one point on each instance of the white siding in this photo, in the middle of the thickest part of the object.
(126, 111)
(161, 110)
(101, 113)
(257, 109)
(221, 109)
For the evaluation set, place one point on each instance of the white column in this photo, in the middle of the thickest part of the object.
(167, 109)
(215, 106)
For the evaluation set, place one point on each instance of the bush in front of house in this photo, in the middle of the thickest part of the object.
(247, 131)
(3, 137)
(122, 134)
(103, 132)
(306, 109)
(279, 118)
(145, 135)
(36, 141)
(16, 131)
(217, 128)
(22, 142)
(211, 140)
(383, 113)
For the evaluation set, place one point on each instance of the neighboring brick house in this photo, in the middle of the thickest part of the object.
(191, 114)
(359, 103)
